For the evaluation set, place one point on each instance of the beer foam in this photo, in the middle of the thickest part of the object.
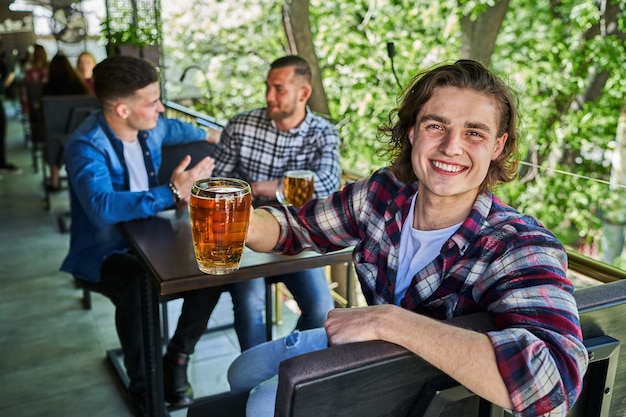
(299, 174)
(222, 189)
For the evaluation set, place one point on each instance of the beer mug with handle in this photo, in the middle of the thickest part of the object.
(295, 187)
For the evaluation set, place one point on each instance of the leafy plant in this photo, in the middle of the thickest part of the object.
(550, 53)
(126, 26)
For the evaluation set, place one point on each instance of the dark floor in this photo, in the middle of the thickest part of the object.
(52, 351)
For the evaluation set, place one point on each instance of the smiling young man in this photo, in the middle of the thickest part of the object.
(259, 146)
(432, 242)
(112, 162)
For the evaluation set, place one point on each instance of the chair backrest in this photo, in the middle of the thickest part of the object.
(173, 154)
(602, 310)
(63, 114)
(35, 113)
(373, 379)
(380, 379)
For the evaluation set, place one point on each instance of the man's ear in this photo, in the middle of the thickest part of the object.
(305, 92)
(411, 135)
(499, 146)
(121, 110)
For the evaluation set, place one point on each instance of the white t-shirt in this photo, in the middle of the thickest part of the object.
(138, 175)
(417, 249)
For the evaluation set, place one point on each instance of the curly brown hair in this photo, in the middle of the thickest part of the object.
(463, 74)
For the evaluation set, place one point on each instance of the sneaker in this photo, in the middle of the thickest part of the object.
(9, 169)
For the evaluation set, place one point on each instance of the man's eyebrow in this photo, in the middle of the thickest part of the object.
(478, 125)
(433, 117)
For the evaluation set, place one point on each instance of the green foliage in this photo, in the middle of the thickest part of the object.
(239, 40)
(552, 59)
(548, 56)
(235, 43)
(124, 25)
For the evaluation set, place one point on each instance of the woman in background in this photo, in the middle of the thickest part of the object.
(85, 64)
(63, 79)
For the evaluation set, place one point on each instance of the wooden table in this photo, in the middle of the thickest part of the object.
(164, 246)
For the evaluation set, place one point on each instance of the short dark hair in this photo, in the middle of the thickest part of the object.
(121, 76)
(300, 65)
(463, 74)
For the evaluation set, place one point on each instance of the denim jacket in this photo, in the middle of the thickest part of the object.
(100, 190)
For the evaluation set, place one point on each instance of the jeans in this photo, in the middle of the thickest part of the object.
(310, 290)
(249, 305)
(257, 369)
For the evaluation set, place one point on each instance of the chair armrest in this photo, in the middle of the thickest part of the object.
(344, 377)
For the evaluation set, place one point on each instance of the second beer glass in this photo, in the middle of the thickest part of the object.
(219, 209)
(296, 187)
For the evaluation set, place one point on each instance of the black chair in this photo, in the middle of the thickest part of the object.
(61, 116)
(307, 390)
(373, 379)
(173, 154)
(171, 157)
(36, 134)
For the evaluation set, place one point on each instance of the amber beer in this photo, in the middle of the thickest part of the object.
(219, 210)
(298, 187)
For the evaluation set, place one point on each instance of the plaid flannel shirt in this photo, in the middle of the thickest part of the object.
(499, 261)
(253, 149)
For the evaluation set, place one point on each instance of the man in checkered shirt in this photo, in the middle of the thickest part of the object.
(432, 242)
(259, 146)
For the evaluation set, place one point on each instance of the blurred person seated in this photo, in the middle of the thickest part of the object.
(35, 71)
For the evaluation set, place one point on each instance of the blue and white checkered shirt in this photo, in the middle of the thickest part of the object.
(253, 149)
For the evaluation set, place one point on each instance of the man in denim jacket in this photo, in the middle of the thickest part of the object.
(112, 163)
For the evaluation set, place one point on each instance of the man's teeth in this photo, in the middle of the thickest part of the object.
(447, 167)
